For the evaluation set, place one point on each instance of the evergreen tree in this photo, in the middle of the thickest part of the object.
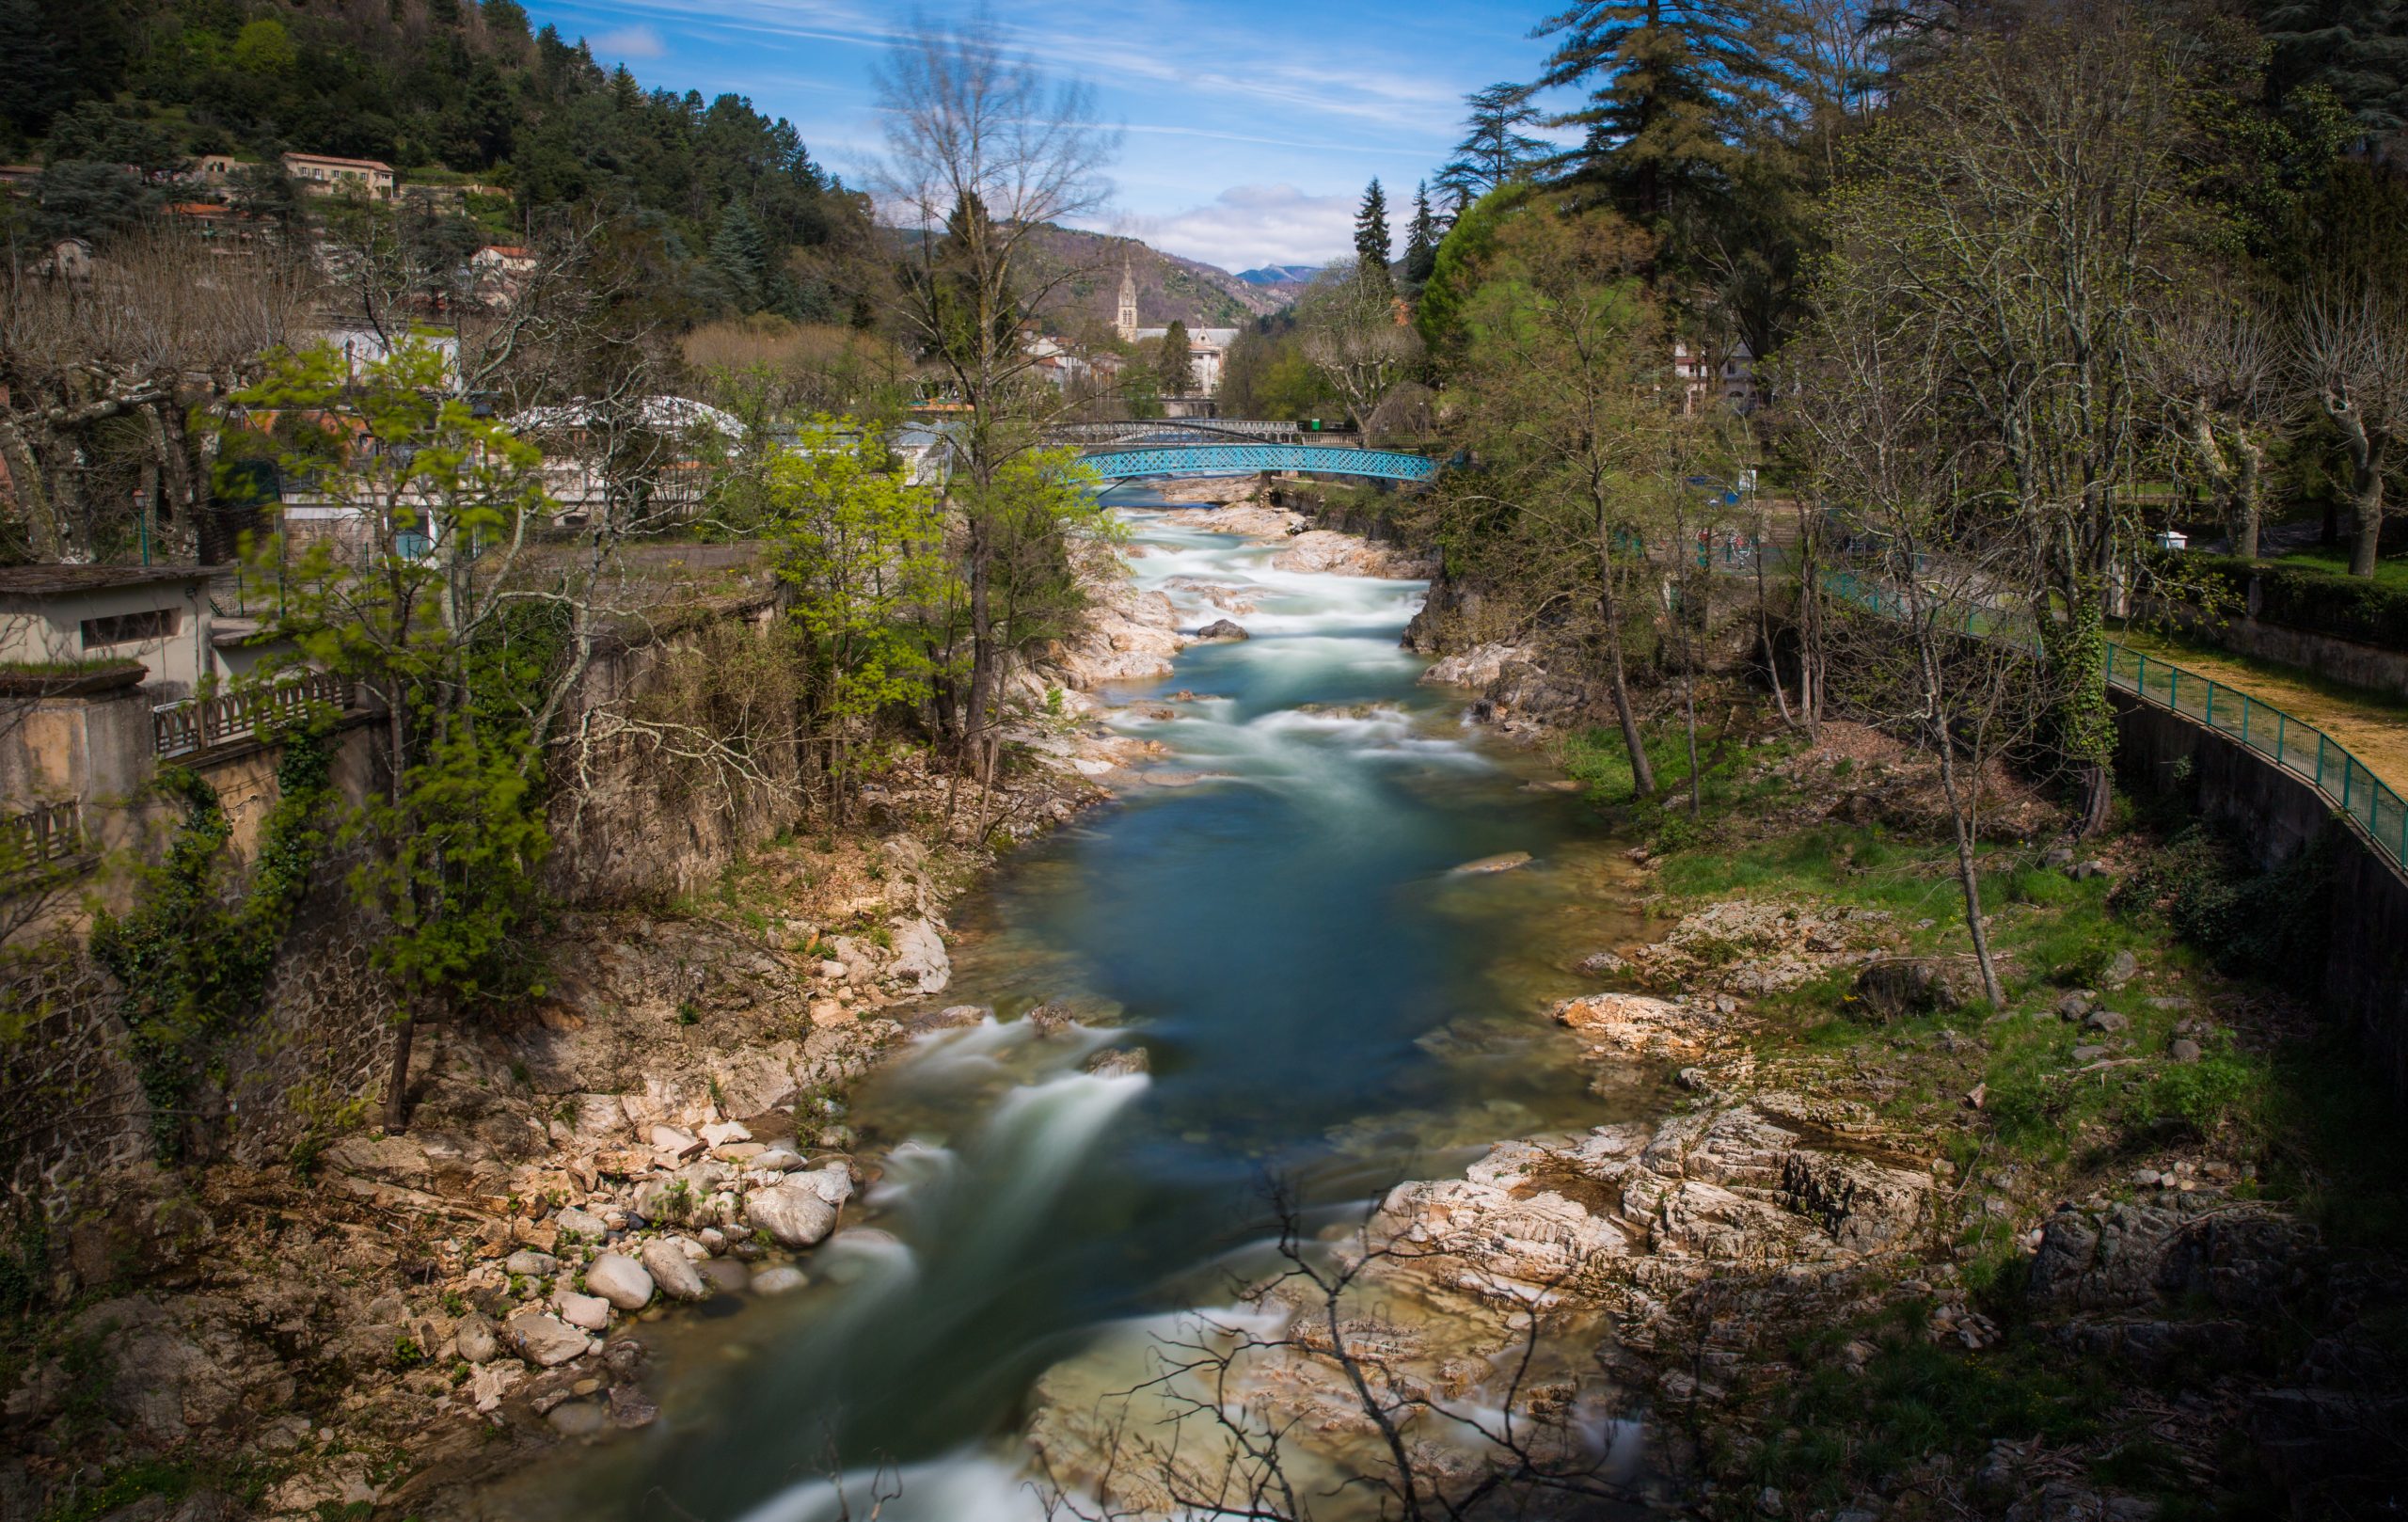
(741, 254)
(1673, 85)
(1420, 240)
(1371, 240)
(1495, 148)
(1178, 364)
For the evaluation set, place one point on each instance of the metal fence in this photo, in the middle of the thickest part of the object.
(199, 724)
(2296, 746)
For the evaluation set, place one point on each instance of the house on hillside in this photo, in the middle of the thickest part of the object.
(1733, 380)
(321, 174)
(499, 273)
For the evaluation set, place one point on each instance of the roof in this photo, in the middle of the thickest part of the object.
(50, 581)
(348, 164)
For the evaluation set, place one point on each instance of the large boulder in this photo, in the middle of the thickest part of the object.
(545, 1341)
(793, 1214)
(673, 1273)
(1221, 628)
(920, 957)
(621, 1280)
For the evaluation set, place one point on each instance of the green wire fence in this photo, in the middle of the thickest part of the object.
(2294, 745)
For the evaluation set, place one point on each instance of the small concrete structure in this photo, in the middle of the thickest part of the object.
(154, 614)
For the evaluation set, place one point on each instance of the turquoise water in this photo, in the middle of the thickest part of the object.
(1321, 997)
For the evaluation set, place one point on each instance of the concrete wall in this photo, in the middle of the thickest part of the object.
(2276, 815)
(2337, 659)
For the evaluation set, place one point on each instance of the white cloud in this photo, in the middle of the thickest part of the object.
(629, 42)
(1248, 226)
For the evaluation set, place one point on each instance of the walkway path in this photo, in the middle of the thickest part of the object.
(2373, 726)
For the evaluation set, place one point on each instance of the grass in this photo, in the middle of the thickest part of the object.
(2391, 573)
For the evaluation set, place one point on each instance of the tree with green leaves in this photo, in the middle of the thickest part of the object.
(1372, 238)
(436, 598)
(1176, 365)
(1420, 240)
(1495, 149)
(862, 550)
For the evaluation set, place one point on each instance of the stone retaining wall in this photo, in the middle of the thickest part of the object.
(2276, 815)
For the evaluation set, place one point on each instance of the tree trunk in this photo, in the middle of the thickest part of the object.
(2366, 505)
(2247, 495)
(1642, 776)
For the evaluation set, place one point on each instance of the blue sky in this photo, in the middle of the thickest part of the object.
(1251, 125)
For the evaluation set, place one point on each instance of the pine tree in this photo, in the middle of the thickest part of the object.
(742, 255)
(1673, 85)
(1495, 149)
(1420, 240)
(1178, 366)
(1371, 240)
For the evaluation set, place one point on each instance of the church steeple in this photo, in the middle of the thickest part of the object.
(1125, 324)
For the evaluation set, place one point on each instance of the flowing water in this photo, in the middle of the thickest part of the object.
(1276, 919)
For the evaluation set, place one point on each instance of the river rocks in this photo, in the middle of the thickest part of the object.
(1478, 667)
(1328, 552)
(545, 1341)
(587, 1311)
(2232, 1254)
(532, 1264)
(725, 1132)
(1504, 862)
(784, 1278)
(473, 1340)
(1747, 946)
(1118, 1062)
(725, 1275)
(777, 1160)
(1634, 1025)
(1899, 988)
(619, 1279)
(1861, 1203)
(581, 1226)
(792, 1213)
(674, 1143)
(920, 957)
(673, 1273)
(1221, 628)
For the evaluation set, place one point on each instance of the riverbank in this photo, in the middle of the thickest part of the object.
(382, 1318)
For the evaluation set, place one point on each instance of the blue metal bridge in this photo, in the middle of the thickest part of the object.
(1185, 448)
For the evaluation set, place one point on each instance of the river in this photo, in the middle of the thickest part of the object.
(1276, 919)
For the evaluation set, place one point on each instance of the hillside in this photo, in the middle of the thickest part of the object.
(445, 92)
(1169, 287)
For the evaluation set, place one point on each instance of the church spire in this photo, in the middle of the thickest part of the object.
(1125, 323)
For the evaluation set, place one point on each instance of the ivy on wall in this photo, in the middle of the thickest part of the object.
(194, 953)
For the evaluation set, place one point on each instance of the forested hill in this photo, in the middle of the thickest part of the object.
(1169, 287)
(444, 90)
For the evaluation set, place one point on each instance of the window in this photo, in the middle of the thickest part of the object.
(130, 629)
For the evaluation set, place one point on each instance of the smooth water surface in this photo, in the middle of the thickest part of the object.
(1275, 918)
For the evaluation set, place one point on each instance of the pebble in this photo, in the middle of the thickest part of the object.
(2183, 1049)
(576, 1418)
(582, 1224)
(590, 1312)
(782, 1279)
(531, 1265)
(474, 1340)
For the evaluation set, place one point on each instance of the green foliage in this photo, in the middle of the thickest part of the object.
(2269, 924)
(1461, 261)
(2303, 595)
(193, 955)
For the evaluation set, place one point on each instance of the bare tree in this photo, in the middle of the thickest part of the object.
(2027, 196)
(114, 367)
(1354, 332)
(1218, 1447)
(984, 154)
(2351, 351)
(2218, 368)
(1931, 622)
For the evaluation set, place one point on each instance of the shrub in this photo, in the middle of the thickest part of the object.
(2306, 597)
